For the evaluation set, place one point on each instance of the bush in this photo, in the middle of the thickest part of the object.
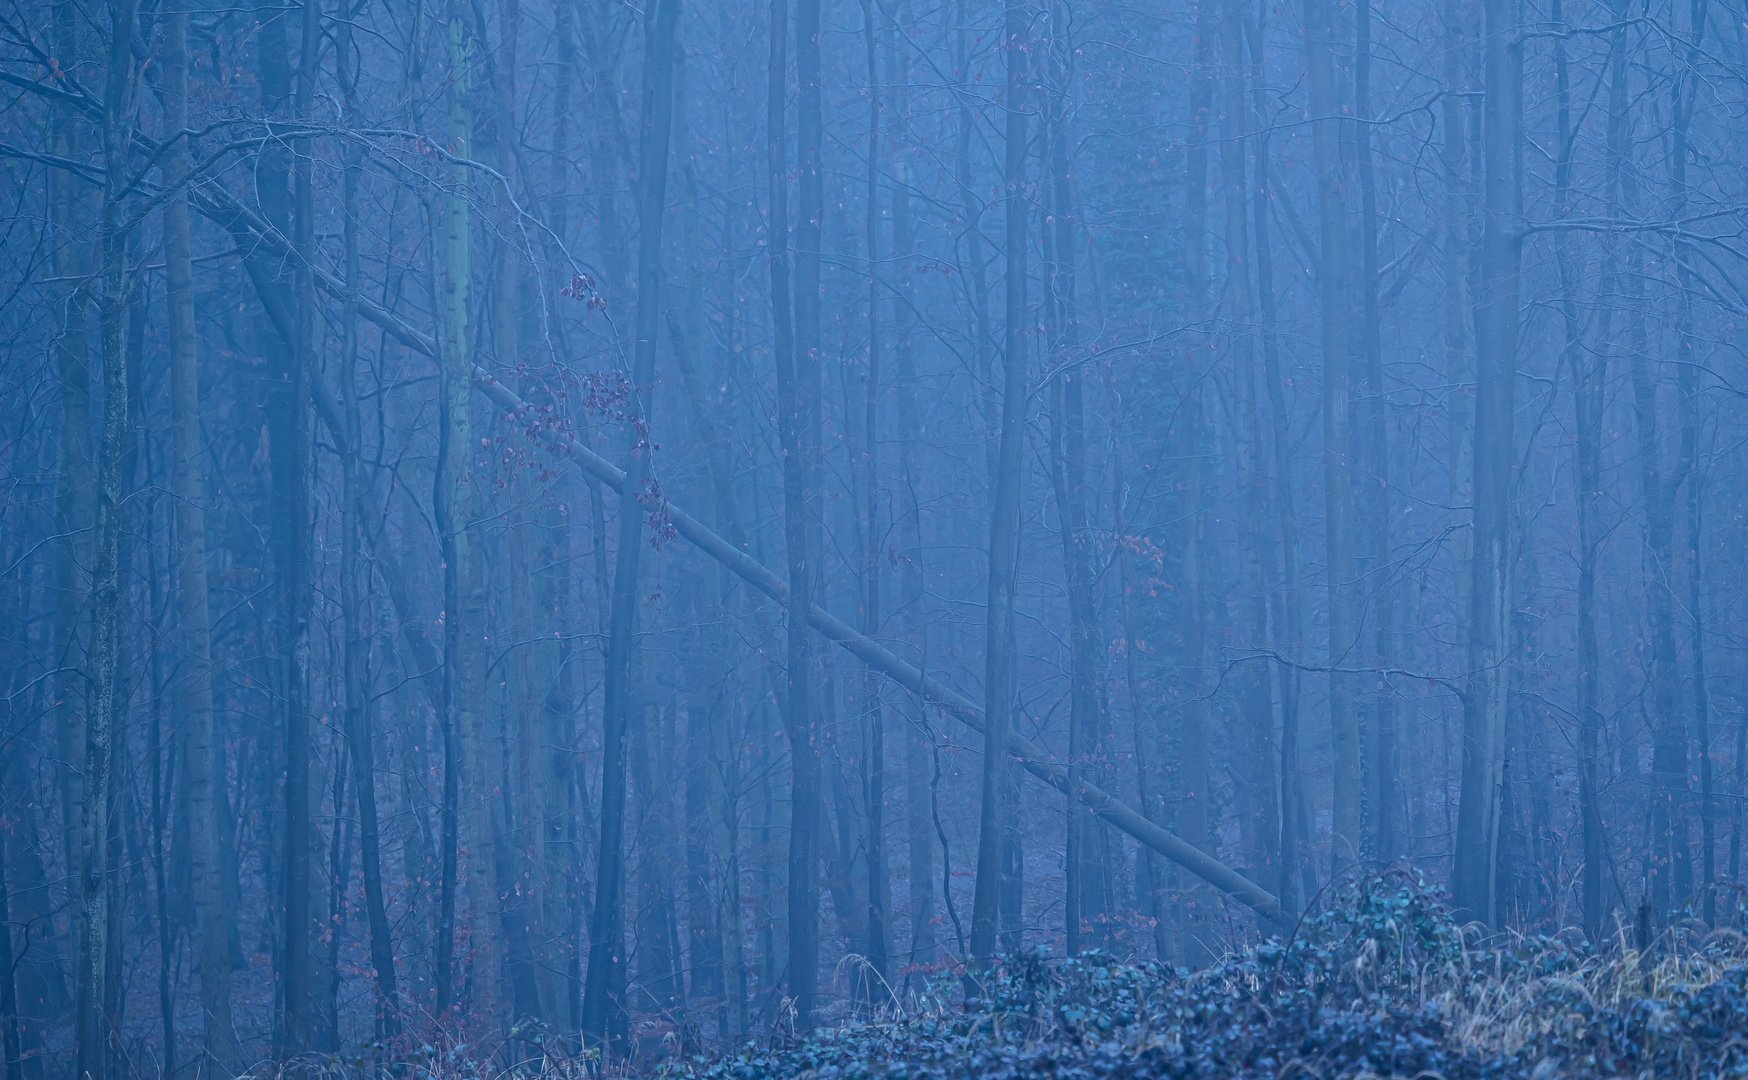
(1382, 982)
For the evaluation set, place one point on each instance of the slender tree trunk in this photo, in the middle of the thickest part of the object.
(1004, 528)
(563, 888)
(354, 582)
(1485, 704)
(92, 1025)
(1683, 90)
(1671, 876)
(792, 424)
(874, 767)
(919, 829)
(292, 531)
(1459, 378)
(1148, 782)
(10, 1045)
(1589, 369)
(193, 618)
(706, 689)
(657, 950)
(1381, 789)
(603, 1010)
(1337, 463)
(453, 504)
(983, 336)
(1261, 827)
(1297, 871)
(70, 213)
(805, 805)
(1086, 906)
(1192, 794)
(160, 810)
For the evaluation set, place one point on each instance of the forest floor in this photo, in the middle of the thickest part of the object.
(1383, 983)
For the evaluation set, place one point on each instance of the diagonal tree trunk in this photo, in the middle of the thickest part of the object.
(743, 565)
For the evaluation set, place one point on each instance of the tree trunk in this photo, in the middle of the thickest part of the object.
(1683, 89)
(462, 616)
(1381, 788)
(1192, 738)
(708, 704)
(603, 1010)
(194, 620)
(69, 214)
(1589, 370)
(1458, 374)
(354, 586)
(10, 1046)
(1261, 826)
(292, 529)
(756, 574)
(919, 829)
(803, 904)
(1297, 872)
(1337, 480)
(874, 761)
(1485, 704)
(805, 805)
(1004, 527)
(92, 1025)
(657, 950)
(1087, 906)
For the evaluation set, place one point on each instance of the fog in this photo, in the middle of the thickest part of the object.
(629, 529)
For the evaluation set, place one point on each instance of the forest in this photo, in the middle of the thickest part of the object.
(913, 538)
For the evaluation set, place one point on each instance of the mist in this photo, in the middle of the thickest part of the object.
(634, 529)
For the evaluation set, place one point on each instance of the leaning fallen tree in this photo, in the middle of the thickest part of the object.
(257, 240)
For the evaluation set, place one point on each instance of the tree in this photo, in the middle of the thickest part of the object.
(1004, 527)
(1496, 320)
(603, 1015)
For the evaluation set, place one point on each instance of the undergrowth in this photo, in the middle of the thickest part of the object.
(1382, 983)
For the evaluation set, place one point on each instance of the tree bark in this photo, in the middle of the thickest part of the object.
(1337, 464)
(1298, 876)
(1589, 371)
(603, 1013)
(69, 214)
(91, 1023)
(873, 721)
(919, 829)
(1381, 788)
(1485, 704)
(1459, 377)
(212, 945)
(1683, 90)
(1261, 826)
(466, 824)
(354, 582)
(1004, 527)
(292, 529)
(791, 421)
(806, 808)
